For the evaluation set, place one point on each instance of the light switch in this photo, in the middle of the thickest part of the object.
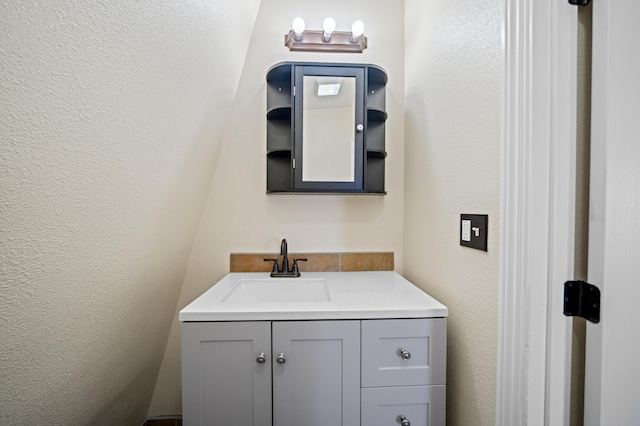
(474, 230)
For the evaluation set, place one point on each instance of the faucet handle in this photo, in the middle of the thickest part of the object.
(275, 268)
(295, 269)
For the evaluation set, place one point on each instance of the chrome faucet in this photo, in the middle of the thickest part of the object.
(285, 271)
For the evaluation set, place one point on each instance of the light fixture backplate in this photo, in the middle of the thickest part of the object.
(312, 42)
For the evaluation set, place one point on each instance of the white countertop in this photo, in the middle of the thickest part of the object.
(354, 295)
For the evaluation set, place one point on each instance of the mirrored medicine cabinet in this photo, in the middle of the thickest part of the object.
(326, 128)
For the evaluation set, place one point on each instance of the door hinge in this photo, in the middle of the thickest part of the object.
(582, 299)
(579, 2)
(294, 163)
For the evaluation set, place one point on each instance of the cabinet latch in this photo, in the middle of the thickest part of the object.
(582, 299)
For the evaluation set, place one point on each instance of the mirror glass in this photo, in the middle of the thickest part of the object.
(328, 135)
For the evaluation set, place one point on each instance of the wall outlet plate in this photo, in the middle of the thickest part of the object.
(474, 230)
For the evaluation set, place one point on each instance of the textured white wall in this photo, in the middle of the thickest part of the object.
(240, 217)
(452, 139)
(111, 117)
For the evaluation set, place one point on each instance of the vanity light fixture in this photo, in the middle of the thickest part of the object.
(327, 39)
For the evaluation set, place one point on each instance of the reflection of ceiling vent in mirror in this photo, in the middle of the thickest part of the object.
(328, 89)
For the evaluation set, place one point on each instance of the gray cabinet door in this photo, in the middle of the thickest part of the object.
(319, 382)
(222, 382)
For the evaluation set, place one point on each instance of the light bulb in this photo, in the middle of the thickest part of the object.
(298, 27)
(357, 29)
(328, 26)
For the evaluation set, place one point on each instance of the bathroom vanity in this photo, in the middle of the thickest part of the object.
(328, 348)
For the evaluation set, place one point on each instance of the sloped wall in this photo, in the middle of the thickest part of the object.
(111, 118)
(452, 156)
(240, 217)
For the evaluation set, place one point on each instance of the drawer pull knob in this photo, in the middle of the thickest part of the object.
(405, 354)
(261, 359)
(404, 421)
(281, 359)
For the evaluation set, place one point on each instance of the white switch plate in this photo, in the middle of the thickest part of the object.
(466, 230)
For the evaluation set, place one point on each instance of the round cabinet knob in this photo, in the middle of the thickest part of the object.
(281, 359)
(261, 358)
(404, 421)
(405, 354)
(359, 127)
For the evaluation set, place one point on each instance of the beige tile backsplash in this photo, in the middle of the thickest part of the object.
(316, 262)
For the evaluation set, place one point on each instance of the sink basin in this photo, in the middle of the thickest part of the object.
(278, 290)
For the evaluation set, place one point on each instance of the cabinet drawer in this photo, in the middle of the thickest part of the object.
(420, 405)
(423, 343)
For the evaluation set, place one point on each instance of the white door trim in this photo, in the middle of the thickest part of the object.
(537, 203)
